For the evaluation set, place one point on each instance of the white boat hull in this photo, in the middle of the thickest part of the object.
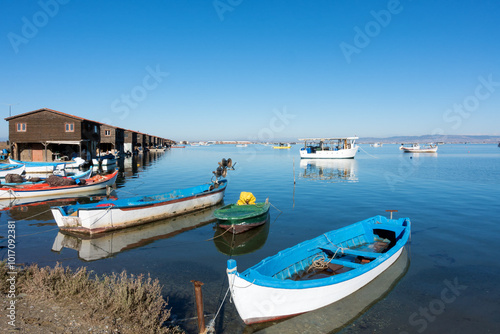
(349, 153)
(420, 150)
(258, 303)
(19, 170)
(111, 218)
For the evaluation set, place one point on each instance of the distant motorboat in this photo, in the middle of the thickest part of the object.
(282, 146)
(417, 148)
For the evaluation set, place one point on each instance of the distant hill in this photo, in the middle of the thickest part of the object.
(450, 139)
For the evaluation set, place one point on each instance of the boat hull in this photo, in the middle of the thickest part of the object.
(420, 150)
(270, 290)
(243, 225)
(340, 154)
(95, 219)
(257, 304)
(46, 167)
(11, 169)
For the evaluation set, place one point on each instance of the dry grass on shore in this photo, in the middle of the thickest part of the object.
(123, 303)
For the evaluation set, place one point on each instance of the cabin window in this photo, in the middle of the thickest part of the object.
(21, 127)
(107, 132)
(69, 127)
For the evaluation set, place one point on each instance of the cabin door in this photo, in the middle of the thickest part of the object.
(37, 152)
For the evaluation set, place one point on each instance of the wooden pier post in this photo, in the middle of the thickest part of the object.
(199, 306)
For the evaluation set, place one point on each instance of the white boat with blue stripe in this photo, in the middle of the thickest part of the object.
(115, 214)
(317, 272)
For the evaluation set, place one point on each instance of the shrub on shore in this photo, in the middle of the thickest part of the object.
(134, 300)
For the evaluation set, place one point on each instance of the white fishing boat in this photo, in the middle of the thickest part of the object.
(417, 148)
(329, 148)
(46, 166)
(317, 272)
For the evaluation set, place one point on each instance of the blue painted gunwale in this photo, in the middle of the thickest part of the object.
(262, 273)
(4, 167)
(140, 202)
(39, 163)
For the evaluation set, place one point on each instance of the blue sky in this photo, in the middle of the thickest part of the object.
(261, 70)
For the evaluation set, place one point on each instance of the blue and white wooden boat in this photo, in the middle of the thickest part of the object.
(47, 167)
(293, 282)
(11, 169)
(110, 215)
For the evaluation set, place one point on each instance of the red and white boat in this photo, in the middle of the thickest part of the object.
(44, 189)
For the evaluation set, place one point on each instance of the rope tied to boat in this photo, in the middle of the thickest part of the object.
(319, 263)
(103, 214)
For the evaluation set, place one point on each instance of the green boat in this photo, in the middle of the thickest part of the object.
(241, 218)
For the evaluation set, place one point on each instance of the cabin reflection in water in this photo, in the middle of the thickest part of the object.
(329, 170)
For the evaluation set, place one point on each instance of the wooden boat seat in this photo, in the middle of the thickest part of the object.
(361, 253)
(346, 263)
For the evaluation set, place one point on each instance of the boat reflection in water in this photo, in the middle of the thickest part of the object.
(334, 317)
(100, 246)
(330, 170)
(39, 207)
(241, 243)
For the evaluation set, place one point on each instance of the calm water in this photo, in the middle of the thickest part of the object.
(450, 283)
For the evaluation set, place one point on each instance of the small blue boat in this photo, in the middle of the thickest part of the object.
(317, 272)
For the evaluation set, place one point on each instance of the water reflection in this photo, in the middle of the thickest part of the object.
(330, 170)
(242, 243)
(39, 207)
(91, 248)
(334, 317)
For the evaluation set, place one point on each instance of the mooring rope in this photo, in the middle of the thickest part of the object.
(367, 152)
(211, 325)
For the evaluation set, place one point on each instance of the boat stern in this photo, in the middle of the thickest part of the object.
(64, 221)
